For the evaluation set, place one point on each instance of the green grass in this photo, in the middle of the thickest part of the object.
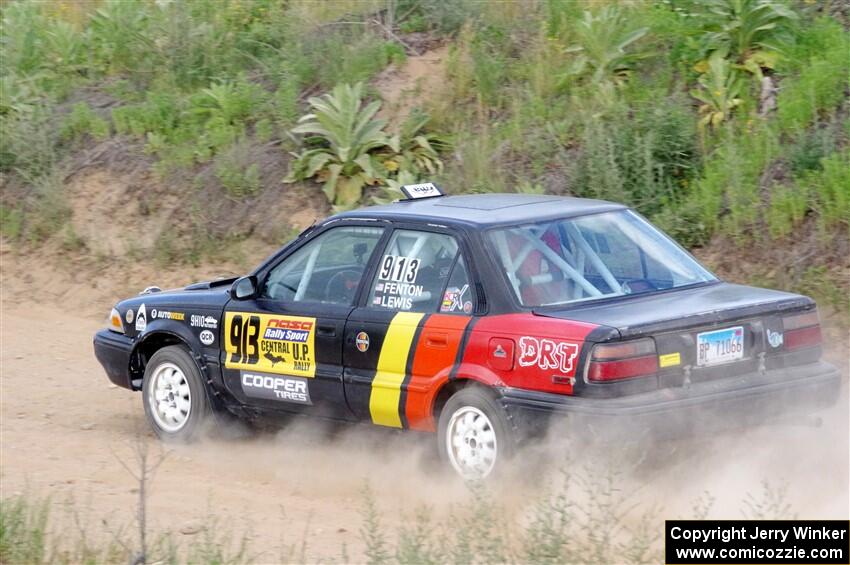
(533, 96)
(23, 530)
(561, 524)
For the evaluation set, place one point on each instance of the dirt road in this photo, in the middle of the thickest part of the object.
(66, 431)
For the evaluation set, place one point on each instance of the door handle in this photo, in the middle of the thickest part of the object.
(326, 331)
(438, 340)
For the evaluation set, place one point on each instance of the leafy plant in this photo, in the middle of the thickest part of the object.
(742, 27)
(390, 191)
(347, 148)
(17, 95)
(117, 32)
(228, 101)
(417, 151)
(605, 40)
(720, 93)
(341, 133)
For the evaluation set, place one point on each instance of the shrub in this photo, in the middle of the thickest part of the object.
(644, 157)
(237, 174)
(604, 51)
(741, 27)
(28, 141)
(417, 150)
(820, 85)
(83, 121)
(729, 192)
(230, 102)
(787, 208)
(341, 135)
(831, 185)
(347, 148)
(720, 93)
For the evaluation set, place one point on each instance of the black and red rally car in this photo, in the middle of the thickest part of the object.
(473, 316)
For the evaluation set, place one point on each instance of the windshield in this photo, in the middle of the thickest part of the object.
(588, 257)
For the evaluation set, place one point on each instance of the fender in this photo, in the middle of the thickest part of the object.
(169, 327)
(464, 373)
(179, 333)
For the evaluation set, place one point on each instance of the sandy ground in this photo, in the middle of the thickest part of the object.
(66, 433)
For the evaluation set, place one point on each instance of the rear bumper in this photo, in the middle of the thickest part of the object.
(113, 351)
(742, 400)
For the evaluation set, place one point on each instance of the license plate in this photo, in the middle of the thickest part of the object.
(720, 346)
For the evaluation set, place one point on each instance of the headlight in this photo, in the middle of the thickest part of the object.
(114, 323)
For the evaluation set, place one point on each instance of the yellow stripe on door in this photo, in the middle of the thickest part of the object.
(392, 363)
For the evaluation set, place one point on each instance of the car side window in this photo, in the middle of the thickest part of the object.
(413, 272)
(327, 269)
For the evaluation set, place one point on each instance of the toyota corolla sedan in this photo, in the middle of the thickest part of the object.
(476, 317)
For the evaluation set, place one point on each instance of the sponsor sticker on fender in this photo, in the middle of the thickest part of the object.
(207, 337)
(283, 345)
(166, 315)
(141, 319)
(201, 321)
(547, 354)
(275, 387)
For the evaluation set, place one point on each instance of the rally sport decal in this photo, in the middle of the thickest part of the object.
(283, 345)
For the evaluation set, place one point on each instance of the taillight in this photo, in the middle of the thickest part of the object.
(626, 360)
(802, 330)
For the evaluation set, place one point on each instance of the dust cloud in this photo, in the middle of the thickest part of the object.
(65, 433)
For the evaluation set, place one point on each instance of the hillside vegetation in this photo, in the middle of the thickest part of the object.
(727, 122)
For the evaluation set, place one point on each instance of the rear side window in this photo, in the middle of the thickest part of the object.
(414, 271)
(591, 257)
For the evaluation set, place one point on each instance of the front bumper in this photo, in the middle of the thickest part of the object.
(113, 351)
(742, 400)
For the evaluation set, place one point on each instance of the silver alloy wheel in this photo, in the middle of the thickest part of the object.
(169, 397)
(471, 443)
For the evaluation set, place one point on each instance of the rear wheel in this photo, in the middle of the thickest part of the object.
(176, 404)
(473, 435)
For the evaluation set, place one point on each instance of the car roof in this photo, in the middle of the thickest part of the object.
(484, 209)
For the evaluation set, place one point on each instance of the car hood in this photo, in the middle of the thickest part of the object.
(210, 294)
(640, 315)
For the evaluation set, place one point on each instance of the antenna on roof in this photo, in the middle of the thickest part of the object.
(420, 191)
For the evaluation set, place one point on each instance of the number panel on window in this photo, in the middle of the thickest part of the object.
(413, 273)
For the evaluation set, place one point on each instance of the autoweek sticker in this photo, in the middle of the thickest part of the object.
(283, 345)
(275, 387)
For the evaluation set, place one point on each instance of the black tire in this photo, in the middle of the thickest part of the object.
(200, 410)
(476, 401)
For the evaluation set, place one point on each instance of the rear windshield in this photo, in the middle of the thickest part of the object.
(589, 257)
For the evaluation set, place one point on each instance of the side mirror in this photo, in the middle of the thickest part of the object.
(244, 288)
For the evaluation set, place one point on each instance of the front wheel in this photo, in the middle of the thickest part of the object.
(473, 434)
(176, 404)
